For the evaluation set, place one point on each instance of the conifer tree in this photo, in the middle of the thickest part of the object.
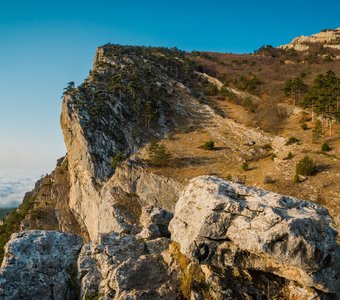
(317, 131)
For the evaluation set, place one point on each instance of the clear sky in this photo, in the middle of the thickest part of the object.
(45, 44)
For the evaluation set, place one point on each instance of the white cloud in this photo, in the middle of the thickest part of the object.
(14, 185)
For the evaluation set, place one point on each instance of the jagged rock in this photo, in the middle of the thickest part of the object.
(119, 266)
(145, 278)
(223, 224)
(155, 222)
(51, 209)
(39, 265)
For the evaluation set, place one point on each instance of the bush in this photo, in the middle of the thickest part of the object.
(209, 145)
(296, 178)
(117, 159)
(158, 154)
(212, 89)
(245, 166)
(304, 126)
(267, 147)
(272, 156)
(248, 104)
(268, 180)
(306, 167)
(289, 156)
(292, 140)
(325, 147)
(229, 177)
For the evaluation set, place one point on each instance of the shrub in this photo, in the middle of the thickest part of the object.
(268, 180)
(325, 147)
(272, 156)
(117, 159)
(248, 104)
(292, 140)
(245, 166)
(267, 147)
(212, 89)
(306, 166)
(229, 177)
(209, 145)
(304, 126)
(296, 178)
(158, 154)
(289, 156)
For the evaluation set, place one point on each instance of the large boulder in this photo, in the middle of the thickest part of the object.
(40, 265)
(120, 266)
(224, 224)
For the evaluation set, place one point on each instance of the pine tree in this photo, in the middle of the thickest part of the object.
(295, 88)
(324, 97)
(317, 132)
(158, 153)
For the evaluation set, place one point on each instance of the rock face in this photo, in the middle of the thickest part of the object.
(223, 224)
(330, 38)
(119, 266)
(40, 265)
(51, 209)
(107, 115)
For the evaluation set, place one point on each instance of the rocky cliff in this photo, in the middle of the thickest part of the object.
(225, 240)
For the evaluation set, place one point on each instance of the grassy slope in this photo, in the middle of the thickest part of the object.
(188, 160)
(5, 211)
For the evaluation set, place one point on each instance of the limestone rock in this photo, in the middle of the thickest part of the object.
(144, 278)
(329, 38)
(39, 265)
(155, 222)
(119, 266)
(224, 224)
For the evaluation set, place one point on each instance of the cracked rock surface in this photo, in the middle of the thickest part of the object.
(223, 224)
(120, 266)
(39, 265)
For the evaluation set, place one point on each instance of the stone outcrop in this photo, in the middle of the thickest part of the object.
(329, 38)
(120, 266)
(155, 222)
(51, 210)
(227, 225)
(40, 265)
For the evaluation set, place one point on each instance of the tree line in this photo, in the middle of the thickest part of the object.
(322, 98)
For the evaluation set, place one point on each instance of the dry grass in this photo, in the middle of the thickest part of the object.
(192, 278)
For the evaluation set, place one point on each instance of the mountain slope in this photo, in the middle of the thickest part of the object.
(109, 190)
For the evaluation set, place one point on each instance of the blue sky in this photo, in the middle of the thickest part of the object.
(45, 44)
